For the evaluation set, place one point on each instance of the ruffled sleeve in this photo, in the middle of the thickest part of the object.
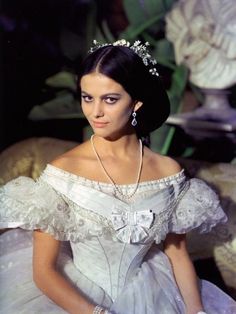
(35, 205)
(198, 207)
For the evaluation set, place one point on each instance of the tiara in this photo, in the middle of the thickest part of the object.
(140, 49)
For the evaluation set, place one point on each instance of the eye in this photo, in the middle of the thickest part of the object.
(87, 98)
(111, 100)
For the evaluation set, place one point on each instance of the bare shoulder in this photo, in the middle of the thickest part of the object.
(162, 166)
(170, 165)
(73, 159)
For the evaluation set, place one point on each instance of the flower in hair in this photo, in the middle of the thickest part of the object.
(140, 49)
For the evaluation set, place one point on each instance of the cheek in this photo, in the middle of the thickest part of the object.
(125, 114)
(122, 118)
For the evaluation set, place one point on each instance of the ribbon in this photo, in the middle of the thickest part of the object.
(131, 227)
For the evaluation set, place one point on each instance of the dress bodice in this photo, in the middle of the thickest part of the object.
(127, 220)
(117, 259)
(113, 264)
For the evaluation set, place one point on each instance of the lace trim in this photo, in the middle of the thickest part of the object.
(200, 208)
(195, 206)
(161, 225)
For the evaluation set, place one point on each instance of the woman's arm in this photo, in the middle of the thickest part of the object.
(185, 275)
(50, 281)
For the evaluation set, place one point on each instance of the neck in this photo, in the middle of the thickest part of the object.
(119, 147)
(117, 191)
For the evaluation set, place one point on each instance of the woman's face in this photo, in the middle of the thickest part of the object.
(106, 105)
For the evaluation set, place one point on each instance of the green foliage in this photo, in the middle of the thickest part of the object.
(164, 53)
(145, 12)
(178, 84)
(63, 106)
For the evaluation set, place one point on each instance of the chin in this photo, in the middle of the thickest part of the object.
(109, 134)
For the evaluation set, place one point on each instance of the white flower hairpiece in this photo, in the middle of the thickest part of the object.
(140, 49)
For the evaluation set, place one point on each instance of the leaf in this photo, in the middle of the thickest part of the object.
(139, 12)
(98, 36)
(179, 81)
(164, 50)
(153, 7)
(188, 152)
(133, 11)
(108, 35)
(147, 37)
(64, 106)
(158, 139)
(62, 79)
(132, 31)
(168, 4)
(103, 35)
(164, 54)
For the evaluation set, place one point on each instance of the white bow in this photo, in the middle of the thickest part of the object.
(131, 226)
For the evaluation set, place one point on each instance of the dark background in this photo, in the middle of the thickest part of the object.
(31, 51)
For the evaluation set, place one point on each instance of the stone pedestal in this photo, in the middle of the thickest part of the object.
(208, 140)
(200, 129)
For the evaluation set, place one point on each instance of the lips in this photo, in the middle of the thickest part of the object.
(99, 124)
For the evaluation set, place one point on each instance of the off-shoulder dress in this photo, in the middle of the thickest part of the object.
(112, 248)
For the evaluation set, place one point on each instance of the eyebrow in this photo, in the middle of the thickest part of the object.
(104, 95)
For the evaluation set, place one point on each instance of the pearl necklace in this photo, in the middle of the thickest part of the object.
(117, 189)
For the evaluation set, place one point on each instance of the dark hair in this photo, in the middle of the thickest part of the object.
(125, 67)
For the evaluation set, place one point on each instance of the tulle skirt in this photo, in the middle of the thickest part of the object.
(152, 289)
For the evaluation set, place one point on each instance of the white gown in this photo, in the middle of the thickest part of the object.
(113, 261)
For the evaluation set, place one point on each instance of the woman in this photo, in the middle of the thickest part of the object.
(112, 198)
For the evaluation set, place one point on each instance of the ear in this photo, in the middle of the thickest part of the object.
(137, 105)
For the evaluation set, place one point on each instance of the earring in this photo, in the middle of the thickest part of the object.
(134, 121)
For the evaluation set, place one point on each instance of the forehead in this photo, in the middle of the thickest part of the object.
(96, 82)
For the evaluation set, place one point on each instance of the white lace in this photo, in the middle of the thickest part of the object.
(42, 206)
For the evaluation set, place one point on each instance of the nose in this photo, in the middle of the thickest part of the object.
(98, 109)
